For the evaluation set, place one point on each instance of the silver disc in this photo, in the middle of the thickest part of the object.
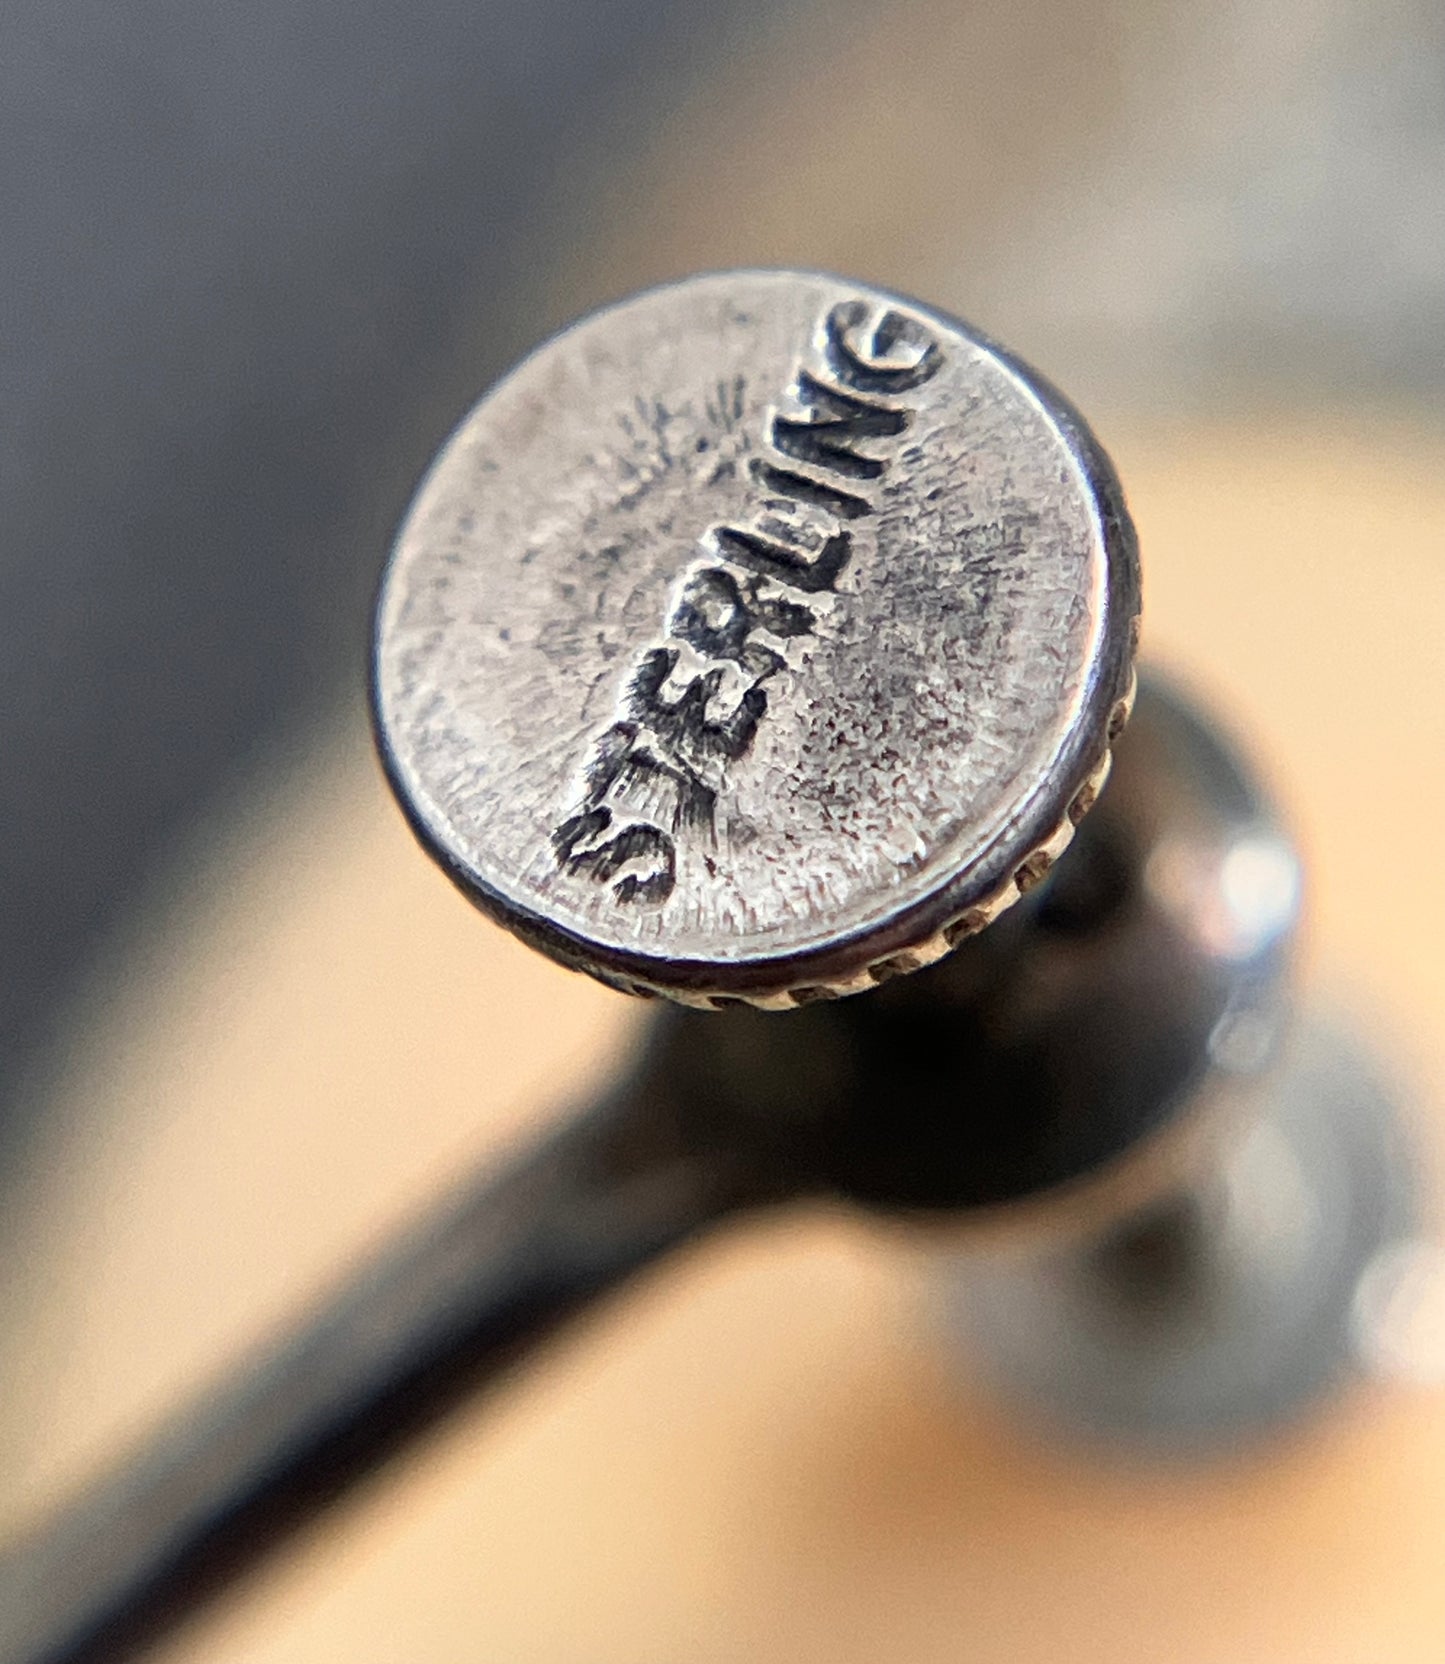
(756, 637)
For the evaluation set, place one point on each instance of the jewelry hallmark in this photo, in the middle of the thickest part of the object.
(692, 702)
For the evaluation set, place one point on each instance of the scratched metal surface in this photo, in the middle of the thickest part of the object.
(764, 1455)
(764, 623)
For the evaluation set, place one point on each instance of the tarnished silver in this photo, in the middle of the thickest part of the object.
(758, 637)
(1229, 1308)
(1223, 1305)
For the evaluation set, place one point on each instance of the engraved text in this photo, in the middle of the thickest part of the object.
(693, 702)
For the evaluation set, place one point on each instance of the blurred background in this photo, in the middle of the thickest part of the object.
(254, 262)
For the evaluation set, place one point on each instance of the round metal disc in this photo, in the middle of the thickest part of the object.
(756, 637)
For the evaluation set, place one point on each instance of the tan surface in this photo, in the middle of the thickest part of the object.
(770, 1452)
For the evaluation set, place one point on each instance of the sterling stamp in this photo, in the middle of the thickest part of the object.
(750, 585)
(756, 636)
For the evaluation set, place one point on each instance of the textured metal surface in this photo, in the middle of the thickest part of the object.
(757, 637)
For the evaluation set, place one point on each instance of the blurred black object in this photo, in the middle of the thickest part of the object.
(236, 246)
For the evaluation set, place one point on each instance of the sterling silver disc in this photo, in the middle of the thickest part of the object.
(756, 637)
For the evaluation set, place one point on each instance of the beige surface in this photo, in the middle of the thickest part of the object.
(770, 1452)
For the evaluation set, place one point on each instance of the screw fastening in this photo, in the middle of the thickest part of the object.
(757, 638)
